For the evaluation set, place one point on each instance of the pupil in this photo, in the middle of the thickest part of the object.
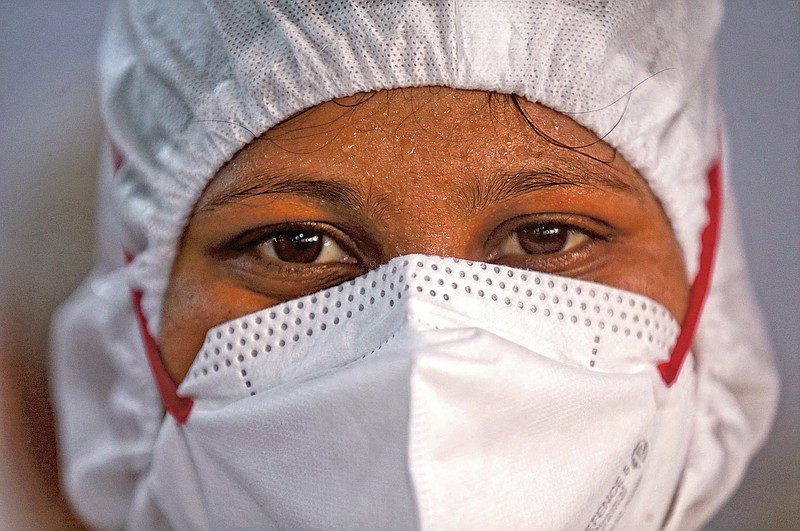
(542, 239)
(298, 247)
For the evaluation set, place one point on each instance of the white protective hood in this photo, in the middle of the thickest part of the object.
(186, 84)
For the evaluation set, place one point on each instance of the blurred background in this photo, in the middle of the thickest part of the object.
(50, 136)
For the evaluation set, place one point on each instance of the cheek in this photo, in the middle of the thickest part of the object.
(196, 300)
(653, 267)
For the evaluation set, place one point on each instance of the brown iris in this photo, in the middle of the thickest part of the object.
(543, 239)
(298, 247)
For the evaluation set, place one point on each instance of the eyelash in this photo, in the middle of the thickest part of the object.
(594, 229)
(250, 241)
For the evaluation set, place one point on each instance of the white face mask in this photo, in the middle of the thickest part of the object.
(430, 393)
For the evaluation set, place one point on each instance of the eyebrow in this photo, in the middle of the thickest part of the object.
(502, 186)
(297, 184)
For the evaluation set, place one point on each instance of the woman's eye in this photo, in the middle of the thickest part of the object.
(304, 247)
(543, 239)
(289, 260)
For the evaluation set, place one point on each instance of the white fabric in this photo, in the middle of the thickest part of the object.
(374, 405)
(186, 84)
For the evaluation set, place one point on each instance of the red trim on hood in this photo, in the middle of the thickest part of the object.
(116, 157)
(177, 406)
(702, 281)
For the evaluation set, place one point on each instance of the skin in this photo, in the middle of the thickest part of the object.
(29, 497)
(348, 185)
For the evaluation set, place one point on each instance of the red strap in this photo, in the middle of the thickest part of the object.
(116, 157)
(702, 281)
(177, 406)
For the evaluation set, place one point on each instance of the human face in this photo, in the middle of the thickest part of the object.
(348, 185)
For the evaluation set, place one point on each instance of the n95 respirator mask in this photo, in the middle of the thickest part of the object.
(430, 393)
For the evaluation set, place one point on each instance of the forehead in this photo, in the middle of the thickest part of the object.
(428, 139)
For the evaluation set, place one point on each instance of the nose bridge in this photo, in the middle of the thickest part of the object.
(433, 241)
(431, 224)
(424, 169)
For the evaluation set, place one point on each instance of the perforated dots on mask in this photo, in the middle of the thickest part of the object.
(353, 320)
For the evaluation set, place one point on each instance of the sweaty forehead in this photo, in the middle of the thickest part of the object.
(431, 138)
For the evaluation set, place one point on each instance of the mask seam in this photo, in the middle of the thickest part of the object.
(595, 355)
(575, 319)
(249, 386)
(273, 315)
(530, 294)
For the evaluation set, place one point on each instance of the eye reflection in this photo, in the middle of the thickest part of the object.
(543, 239)
(304, 247)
